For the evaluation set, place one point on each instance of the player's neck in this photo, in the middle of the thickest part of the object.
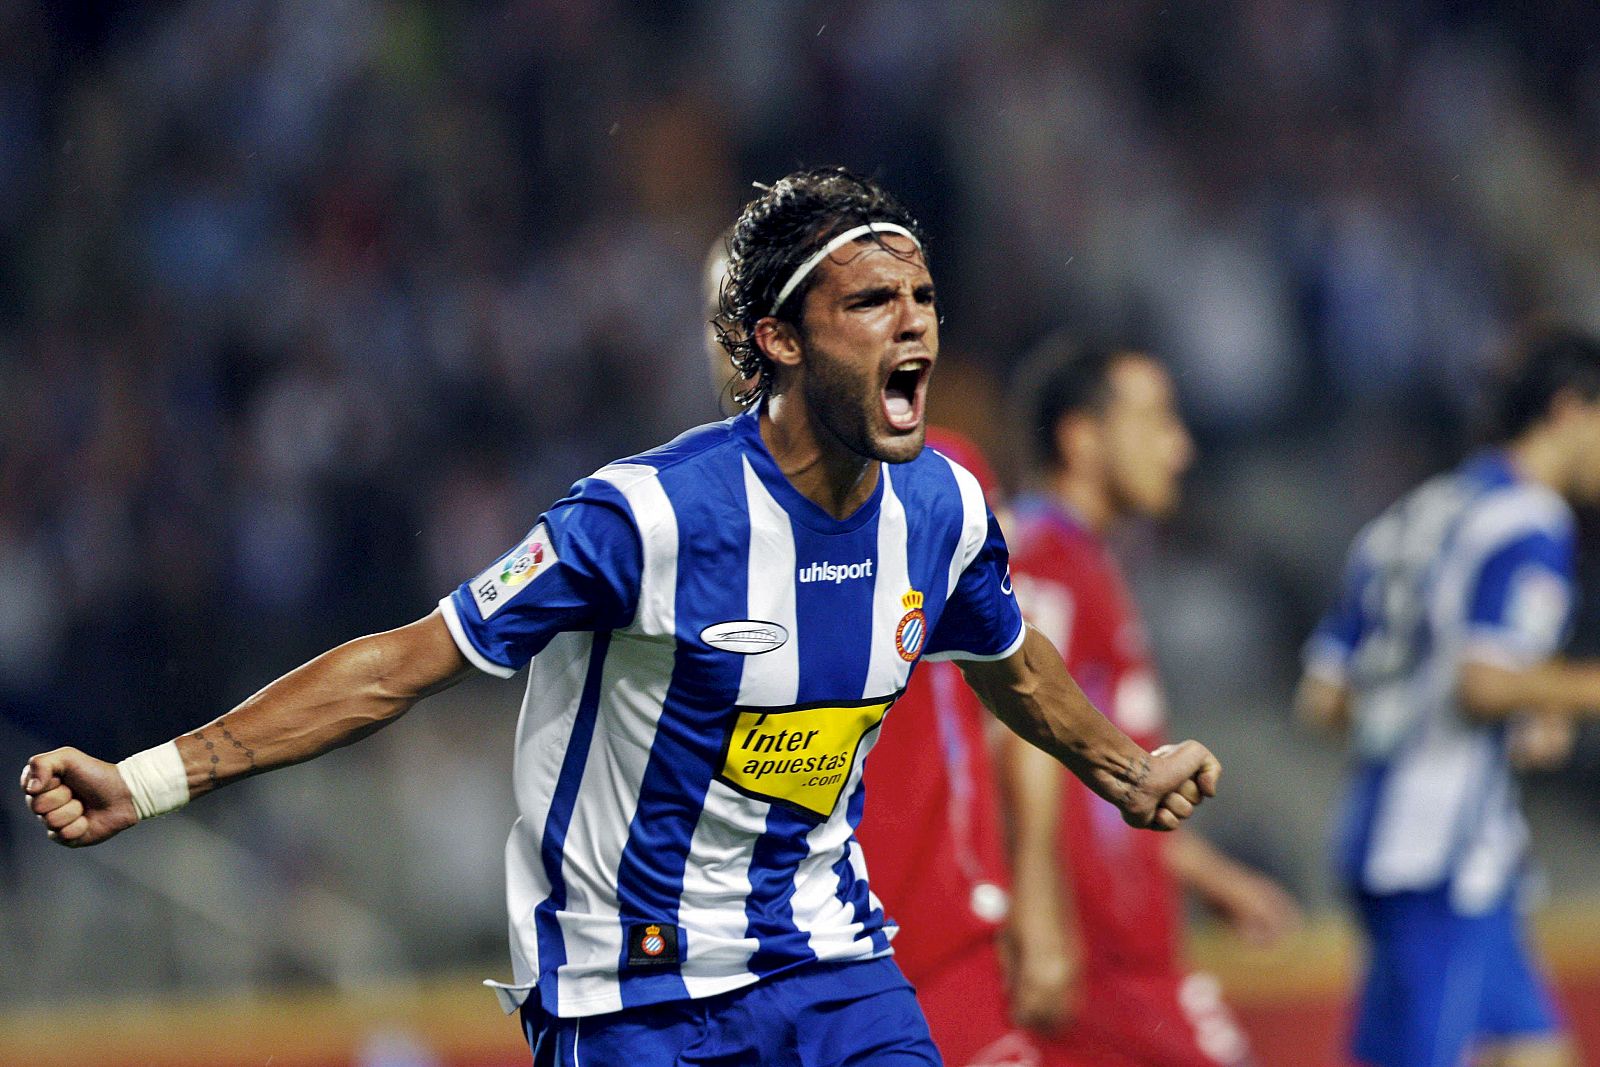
(1539, 457)
(1086, 499)
(831, 476)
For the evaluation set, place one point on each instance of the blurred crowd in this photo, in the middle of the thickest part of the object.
(308, 307)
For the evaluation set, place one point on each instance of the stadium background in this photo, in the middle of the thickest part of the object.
(308, 307)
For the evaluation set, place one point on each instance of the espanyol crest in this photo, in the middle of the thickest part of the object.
(912, 632)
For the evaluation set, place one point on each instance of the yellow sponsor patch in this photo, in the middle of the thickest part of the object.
(798, 757)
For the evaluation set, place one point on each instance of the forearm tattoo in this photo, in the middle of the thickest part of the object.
(1131, 781)
(211, 751)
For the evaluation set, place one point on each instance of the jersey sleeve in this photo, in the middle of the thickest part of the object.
(981, 620)
(1333, 643)
(578, 569)
(1521, 601)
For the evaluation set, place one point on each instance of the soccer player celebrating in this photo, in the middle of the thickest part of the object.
(934, 833)
(1096, 929)
(716, 629)
(1441, 660)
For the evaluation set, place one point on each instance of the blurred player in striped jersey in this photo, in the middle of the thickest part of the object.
(1441, 660)
(1097, 928)
(931, 830)
(716, 629)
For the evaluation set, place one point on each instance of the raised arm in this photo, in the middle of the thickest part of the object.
(337, 698)
(1032, 693)
(1568, 688)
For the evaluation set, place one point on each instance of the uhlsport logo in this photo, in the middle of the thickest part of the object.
(835, 572)
(912, 632)
(652, 944)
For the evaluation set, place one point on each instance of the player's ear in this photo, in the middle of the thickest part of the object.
(779, 341)
(1077, 438)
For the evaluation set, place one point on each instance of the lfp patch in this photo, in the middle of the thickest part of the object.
(912, 633)
(496, 586)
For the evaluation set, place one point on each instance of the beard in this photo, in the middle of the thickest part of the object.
(846, 403)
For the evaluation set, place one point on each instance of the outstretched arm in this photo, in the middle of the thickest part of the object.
(1258, 908)
(1567, 688)
(1032, 693)
(1041, 945)
(337, 698)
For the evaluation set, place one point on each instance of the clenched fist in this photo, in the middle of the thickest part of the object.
(1178, 777)
(80, 800)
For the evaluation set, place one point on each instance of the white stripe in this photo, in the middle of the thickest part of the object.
(1421, 803)
(1503, 517)
(544, 729)
(974, 532)
(974, 523)
(771, 679)
(452, 621)
(844, 238)
(633, 689)
(886, 670)
(830, 923)
(716, 880)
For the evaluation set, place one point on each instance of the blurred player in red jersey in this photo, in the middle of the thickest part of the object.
(932, 839)
(933, 842)
(1096, 924)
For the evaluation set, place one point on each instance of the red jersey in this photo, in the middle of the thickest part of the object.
(1071, 589)
(931, 833)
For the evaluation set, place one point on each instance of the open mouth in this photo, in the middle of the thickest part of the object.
(903, 394)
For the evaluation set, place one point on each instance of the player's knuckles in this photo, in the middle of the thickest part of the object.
(65, 815)
(50, 800)
(1178, 805)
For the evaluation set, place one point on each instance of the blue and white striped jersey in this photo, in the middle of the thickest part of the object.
(712, 654)
(1472, 565)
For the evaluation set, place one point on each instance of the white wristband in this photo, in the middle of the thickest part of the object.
(156, 779)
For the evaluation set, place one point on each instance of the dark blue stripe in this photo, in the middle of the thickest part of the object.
(552, 949)
(852, 890)
(834, 624)
(1353, 834)
(770, 906)
(712, 581)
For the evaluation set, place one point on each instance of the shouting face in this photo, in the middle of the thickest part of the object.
(868, 339)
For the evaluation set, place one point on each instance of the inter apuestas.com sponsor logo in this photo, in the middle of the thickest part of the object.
(836, 572)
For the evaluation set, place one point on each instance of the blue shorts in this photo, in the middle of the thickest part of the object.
(1439, 983)
(858, 1014)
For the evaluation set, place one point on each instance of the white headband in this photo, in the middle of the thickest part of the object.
(843, 239)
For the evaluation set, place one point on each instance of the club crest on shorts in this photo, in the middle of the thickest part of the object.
(912, 632)
(652, 945)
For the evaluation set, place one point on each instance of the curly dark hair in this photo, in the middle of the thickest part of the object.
(776, 233)
(1544, 361)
